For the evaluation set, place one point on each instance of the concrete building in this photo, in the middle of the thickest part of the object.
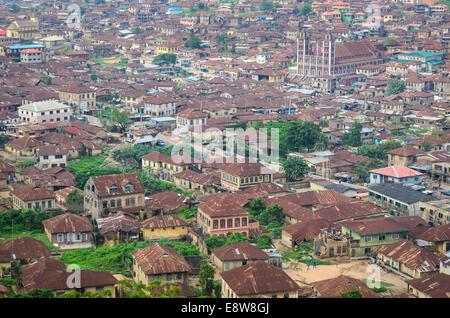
(45, 111)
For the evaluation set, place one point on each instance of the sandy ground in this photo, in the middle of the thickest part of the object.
(341, 266)
(111, 61)
(356, 269)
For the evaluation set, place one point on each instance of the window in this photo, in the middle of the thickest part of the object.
(286, 295)
(113, 203)
(113, 189)
(230, 223)
(49, 204)
(129, 187)
(84, 237)
(237, 222)
(60, 237)
(381, 238)
(105, 204)
(222, 224)
(29, 205)
(368, 239)
(244, 221)
(119, 203)
(440, 215)
(395, 236)
(45, 157)
(215, 224)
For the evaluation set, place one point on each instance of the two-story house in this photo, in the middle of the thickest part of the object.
(32, 197)
(366, 236)
(403, 156)
(44, 111)
(238, 176)
(51, 156)
(113, 191)
(162, 166)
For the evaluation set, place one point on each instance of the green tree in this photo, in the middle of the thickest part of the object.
(362, 168)
(271, 214)
(306, 9)
(295, 168)
(94, 77)
(395, 86)
(193, 42)
(201, 5)
(263, 241)
(206, 279)
(165, 59)
(267, 5)
(354, 293)
(426, 145)
(353, 137)
(116, 120)
(390, 41)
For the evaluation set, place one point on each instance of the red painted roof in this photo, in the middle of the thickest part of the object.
(30, 51)
(397, 172)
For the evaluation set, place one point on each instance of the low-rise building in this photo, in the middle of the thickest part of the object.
(238, 254)
(437, 286)
(409, 259)
(396, 174)
(165, 226)
(159, 262)
(238, 176)
(32, 197)
(258, 279)
(69, 231)
(435, 212)
(438, 236)
(366, 236)
(397, 199)
(51, 156)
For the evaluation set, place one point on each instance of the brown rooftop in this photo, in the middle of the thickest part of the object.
(239, 251)
(67, 223)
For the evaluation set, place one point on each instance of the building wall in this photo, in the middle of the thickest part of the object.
(433, 214)
(227, 292)
(140, 277)
(176, 232)
(50, 161)
(47, 204)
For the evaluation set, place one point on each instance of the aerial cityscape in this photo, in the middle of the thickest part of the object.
(224, 149)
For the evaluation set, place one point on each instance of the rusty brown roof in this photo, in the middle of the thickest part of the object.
(437, 286)
(334, 287)
(31, 192)
(375, 226)
(239, 251)
(438, 233)
(244, 169)
(47, 273)
(119, 222)
(23, 248)
(229, 208)
(168, 200)
(411, 255)
(258, 278)
(67, 223)
(163, 221)
(349, 210)
(307, 230)
(103, 183)
(160, 259)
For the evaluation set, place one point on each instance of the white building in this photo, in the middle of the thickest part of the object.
(45, 111)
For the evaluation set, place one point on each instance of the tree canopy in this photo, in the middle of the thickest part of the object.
(193, 42)
(353, 136)
(395, 86)
(295, 168)
(165, 59)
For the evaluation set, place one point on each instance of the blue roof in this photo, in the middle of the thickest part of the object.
(421, 54)
(23, 47)
(175, 9)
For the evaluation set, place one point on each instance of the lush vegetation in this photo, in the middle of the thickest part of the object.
(188, 214)
(353, 136)
(219, 241)
(136, 152)
(379, 151)
(154, 290)
(297, 136)
(206, 279)
(117, 259)
(193, 42)
(114, 119)
(362, 168)
(395, 86)
(165, 59)
(295, 168)
(270, 218)
(354, 293)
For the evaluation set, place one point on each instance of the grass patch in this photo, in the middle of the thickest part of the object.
(188, 214)
(117, 259)
(102, 61)
(38, 235)
(302, 255)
